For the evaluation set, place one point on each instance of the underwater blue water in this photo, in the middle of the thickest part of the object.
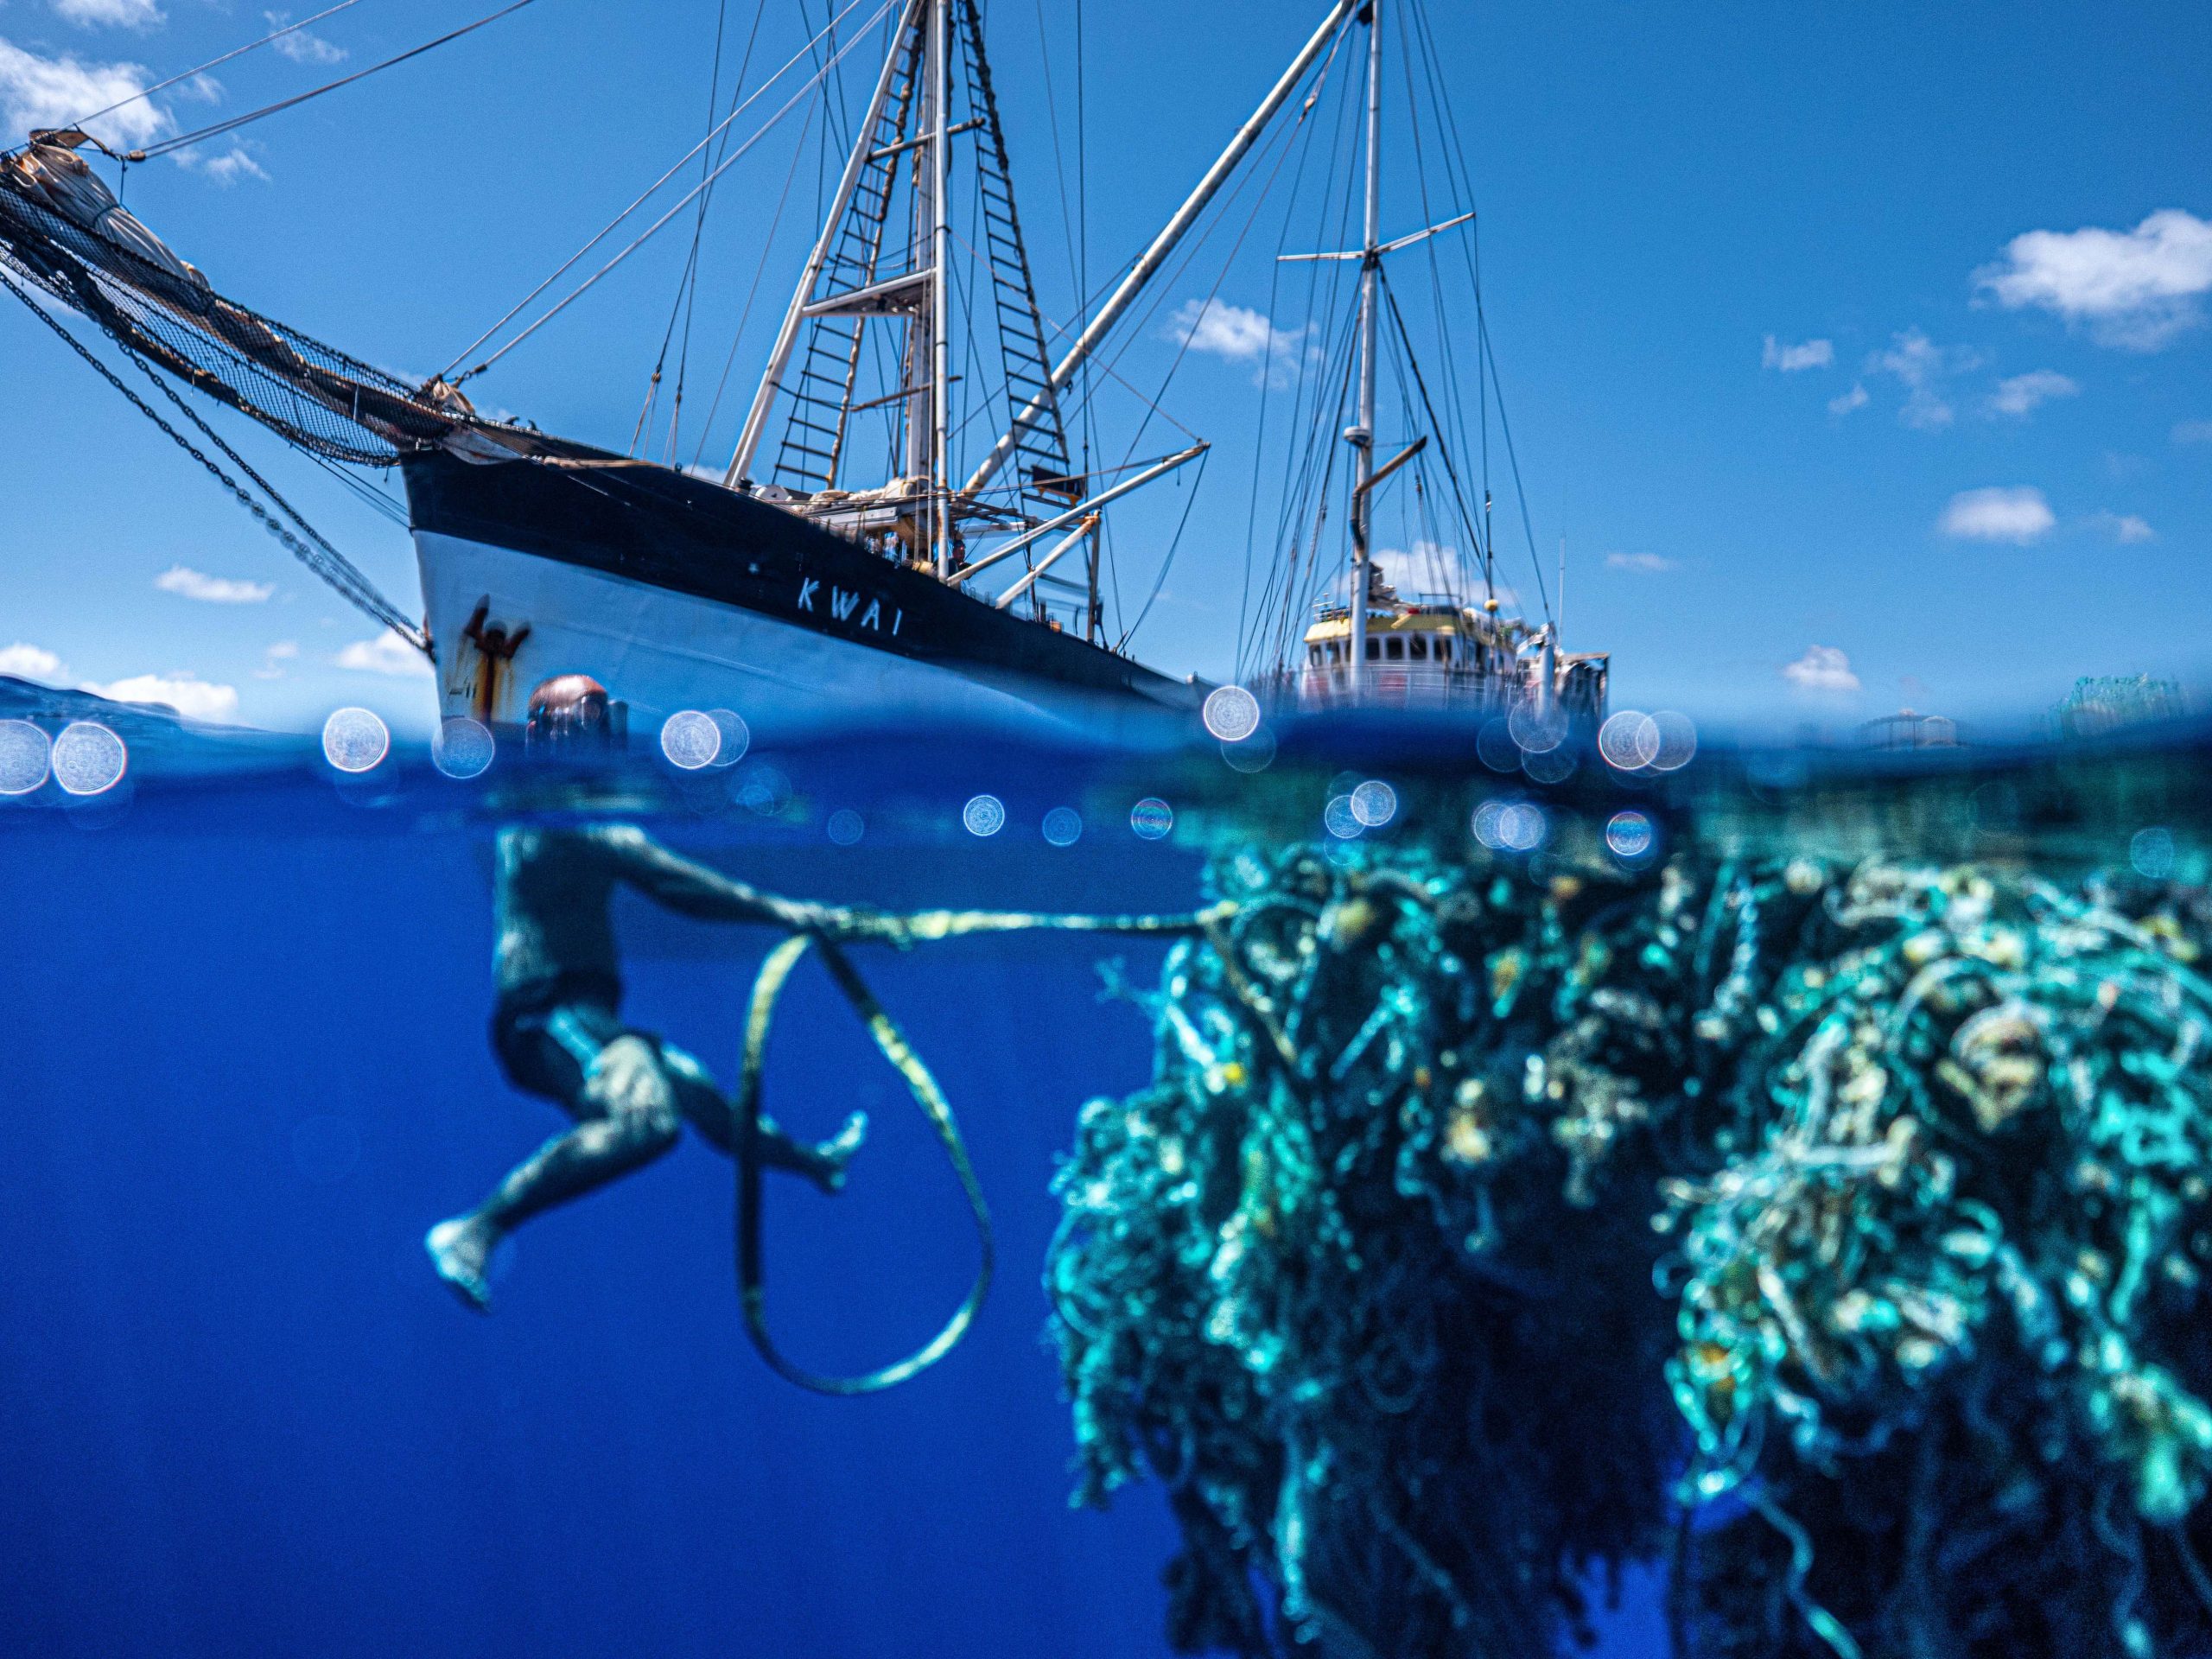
(246, 1067)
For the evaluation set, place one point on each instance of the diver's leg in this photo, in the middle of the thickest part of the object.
(822, 1162)
(629, 1116)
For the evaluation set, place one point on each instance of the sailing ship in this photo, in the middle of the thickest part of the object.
(849, 565)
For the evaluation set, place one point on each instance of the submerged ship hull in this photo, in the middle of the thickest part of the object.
(677, 593)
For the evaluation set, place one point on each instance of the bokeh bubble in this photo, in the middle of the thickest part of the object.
(1536, 726)
(355, 740)
(1063, 826)
(1549, 766)
(1628, 740)
(25, 757)
(1629, 834)
(1152, 818)
(1340, 818)
(1374, 803)
(760, 788)
(462, 748)
(2152, 852)
(1231, 713)
(736, 736)
(1256, 753)
(691, 739)
(1495, 748)
(845, 826)
(88, 758)
(1677, 740)
(984, 815)
(1510, 826)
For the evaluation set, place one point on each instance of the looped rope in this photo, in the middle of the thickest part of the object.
(768, 988)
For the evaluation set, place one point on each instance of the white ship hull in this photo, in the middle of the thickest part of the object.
(659, 651)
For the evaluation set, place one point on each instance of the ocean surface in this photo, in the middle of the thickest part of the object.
(247, 999)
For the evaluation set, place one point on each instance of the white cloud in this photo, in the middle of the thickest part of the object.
(190, 695)
(2023, 392)
(1238, 334)
(1812, 354)
(117, 13)
(235, 163)
(1649, 564)
(1823, 670)
(2124, 528)
(300, 46)
(1998, 515)
(1429, 568)
(36, 91)
(2193, 432)
(283, 650)
(1855, 398)
(1920, 365)
(2135, 289)
(216, 590)
(29, 662)
(386, 654)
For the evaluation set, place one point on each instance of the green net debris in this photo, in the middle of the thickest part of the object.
(1830, 1235)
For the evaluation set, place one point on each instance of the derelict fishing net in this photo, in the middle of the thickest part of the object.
(1831, 1232)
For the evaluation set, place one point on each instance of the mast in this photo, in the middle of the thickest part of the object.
(779, 356)
(940, 367)
(1362, 433)
(1148, 264)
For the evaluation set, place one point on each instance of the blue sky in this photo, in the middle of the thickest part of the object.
(1858, 353)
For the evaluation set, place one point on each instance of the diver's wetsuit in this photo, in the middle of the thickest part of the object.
(558, 1032)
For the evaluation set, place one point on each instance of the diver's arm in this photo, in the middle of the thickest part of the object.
(695, 890)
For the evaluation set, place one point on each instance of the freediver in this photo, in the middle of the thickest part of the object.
(557, 1027)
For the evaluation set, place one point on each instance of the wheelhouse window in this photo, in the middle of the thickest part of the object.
(1417, 648)
(1396, 648)
(1373, 651)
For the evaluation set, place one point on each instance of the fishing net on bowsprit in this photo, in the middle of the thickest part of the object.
(62, 230)
(1918, 1158)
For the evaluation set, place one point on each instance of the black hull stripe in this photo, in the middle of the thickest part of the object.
(654, 526)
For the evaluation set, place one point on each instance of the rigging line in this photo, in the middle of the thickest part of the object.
(691, 259)
(1505, 428)
(691, 300)
(1282, 135)
(1307, 468)
(232, 125)
(645, 196)
(1413, 364)
(1182, 349)
(367, 492)
(333, 567)
(214, 62)
(1454, 403)
(751, 294)
(1300, 462)
(1266, 392)
(323, 559)
(651, 231)
(1060, 160)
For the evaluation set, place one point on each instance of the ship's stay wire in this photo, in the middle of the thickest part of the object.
(1305, 464)
(315, 552)
(645, 195)
(685, 302)
(217, 129)
(214, 62)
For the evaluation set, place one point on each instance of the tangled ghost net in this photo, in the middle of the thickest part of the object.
(1832, 1234)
